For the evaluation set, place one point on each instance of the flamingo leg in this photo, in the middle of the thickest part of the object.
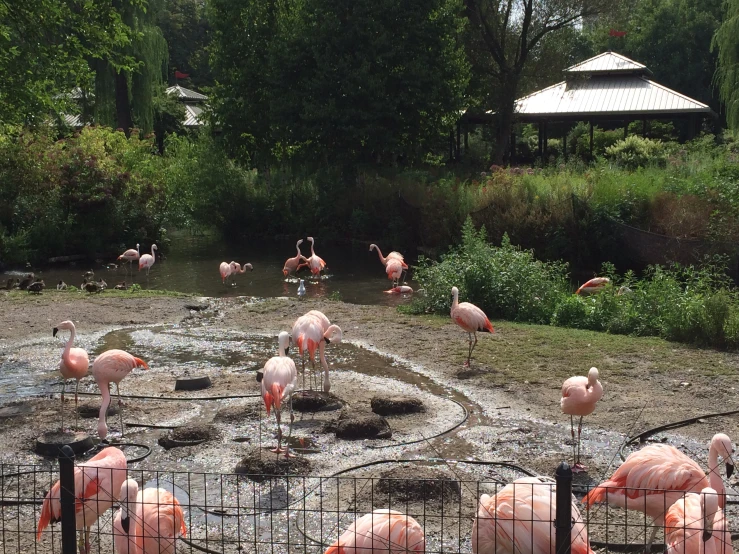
(572, 430)
(64, 386)
(290, 429)
(76, 407)
(469, 353)
(279, 449)
(120, 408)
(578, 467)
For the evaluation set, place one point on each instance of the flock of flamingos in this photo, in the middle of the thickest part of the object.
(657, 480)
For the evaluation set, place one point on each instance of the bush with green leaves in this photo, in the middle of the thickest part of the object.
(695, 305)
(634, 152)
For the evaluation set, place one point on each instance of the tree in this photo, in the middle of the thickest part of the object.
(336, 83)
(45, 46)
(510, 31)
(169, 114)
(186, 29)
(123, 95)
(726, 42)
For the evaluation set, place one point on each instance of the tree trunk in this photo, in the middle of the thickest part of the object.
(122, 103)
(508, 87)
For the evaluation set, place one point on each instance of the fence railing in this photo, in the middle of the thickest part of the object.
(233, 513)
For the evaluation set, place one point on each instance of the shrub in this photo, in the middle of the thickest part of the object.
(634, 152)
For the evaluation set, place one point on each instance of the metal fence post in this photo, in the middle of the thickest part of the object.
(66, 486)
(563, 518)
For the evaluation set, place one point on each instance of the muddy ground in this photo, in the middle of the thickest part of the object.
(511, 393)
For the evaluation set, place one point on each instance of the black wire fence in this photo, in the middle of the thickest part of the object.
(236, 513)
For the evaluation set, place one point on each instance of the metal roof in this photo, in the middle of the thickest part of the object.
(607, 62)
(606, 96)
(73, 120)
(186, 94)
(192, 116)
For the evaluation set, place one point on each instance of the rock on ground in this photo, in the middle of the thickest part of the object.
(353, 424)
(393, 405)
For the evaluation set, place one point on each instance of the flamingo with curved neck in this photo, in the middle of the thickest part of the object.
(315, 262)
(147, 260)
(73, 365)
(293, 265)
(328, 337)
(111, 367)
(394, 264)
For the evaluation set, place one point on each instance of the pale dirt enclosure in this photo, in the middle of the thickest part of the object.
(469, 417)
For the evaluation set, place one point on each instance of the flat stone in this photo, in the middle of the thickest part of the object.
(198, 304)
(316, 401)
(393, 405)
(353, 425)
(261, 464)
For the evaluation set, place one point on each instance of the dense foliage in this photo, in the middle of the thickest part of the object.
(727, 45)
(696, 305)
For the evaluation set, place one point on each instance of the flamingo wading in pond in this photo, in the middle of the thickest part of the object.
(579, 396)
(470, 318)
(111, 367)
(130, 256)
(97, 484)
(394, 264)
(658, 475)
(519, 519)
(74, 365)
(280, 378)
(315, 262)
(147, 260)
(293, 265)
(149, 521)
(381, 532)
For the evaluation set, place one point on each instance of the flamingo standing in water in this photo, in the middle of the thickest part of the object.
(130, 256)
(293, 265)
(231, 269)
(520, 519)
(147, 260)
(314, 330)
(381, 532)
(596, 284)
(149, 521)
(579, 396)
(74, 365)
(279, 380)
(394, 264)
(97, 484)
(111, 367)
(315, 262)
(659, 475)
(470, 318)
(696, 524)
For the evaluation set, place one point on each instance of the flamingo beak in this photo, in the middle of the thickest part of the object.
(56, 330)
(327, 341)
(125, 522)
(729, 469)
(287, 350)
(260, 375)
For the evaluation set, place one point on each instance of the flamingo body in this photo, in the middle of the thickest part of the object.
(520, 519)
(97, 484)
(315, 262)
(689, 524)
(292, 265)
(394, 263)
(596, 284)
(312, 332)
(279, 380)
(381, 532)
(74, 363)
(579, 396)
(225, 270)
(112, 366)
(402, 289)
(470, 318)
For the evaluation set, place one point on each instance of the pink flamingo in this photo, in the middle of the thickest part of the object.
(313, 330)
(111, 367)
(402, 289)
(97, 484)
(225, 271)
(231, 269)
(520, 519)
(130, 256)
(596, 284)
(470, 318)
(293, 265)
(147, 260)
(394, 264)
(315, 262)
(659, 475)
(237, 269)
(73, 365)
(690, 524)
(381, 532)
(149, 521)
(579, 396)
(278, 383)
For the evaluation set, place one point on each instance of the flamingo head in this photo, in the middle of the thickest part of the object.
(333, 334)
(721, 443)
(372, 247)
(64, 325)
(283, 340)
(455, 292)
(299, 242)
(310, 239)
(129, 490)
(592, 375)
(153, 247)
(251, 268)
(709, 503)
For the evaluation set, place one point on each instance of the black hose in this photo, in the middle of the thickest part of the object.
(200, 548)
(176, 398)
(424, 439)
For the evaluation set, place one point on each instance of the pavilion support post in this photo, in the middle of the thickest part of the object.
(513, 146)
(466, 139)
(591, 138)
(626, 129)
(541, 139)
(564, 146)
(545, 140)
(451, 145)
(644, 127)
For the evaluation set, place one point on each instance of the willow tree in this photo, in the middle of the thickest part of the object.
(726, 42)
(123, 97)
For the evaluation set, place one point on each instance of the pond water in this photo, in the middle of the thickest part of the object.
(192, 263)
